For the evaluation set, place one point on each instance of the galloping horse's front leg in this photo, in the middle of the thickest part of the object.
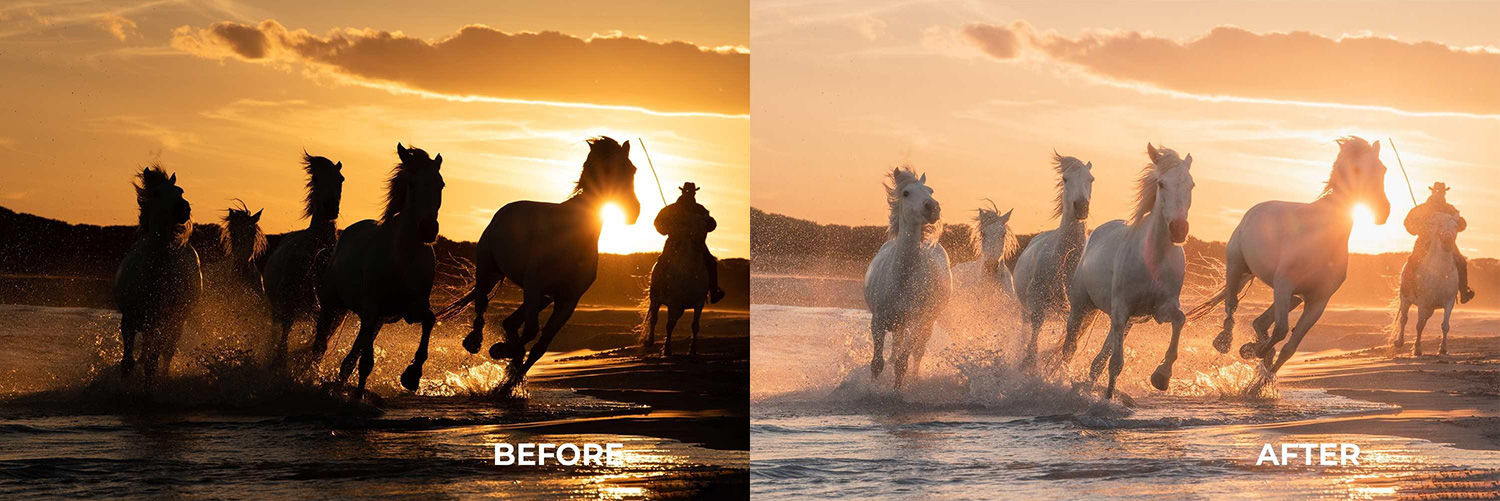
(878, 326)
(368, 327)
(698, 313)
(486, 277)
(1281, 309)
(513, 323)
(1113, 352)
(128, 327)
(560, 314)
(1423, 314)
(1447, 313)
(1262, 326)
(514, 344)
(1034, 320)
(1163, 375)
(1310, 314)
(918, 345)
(411, 378)
(1077, 312)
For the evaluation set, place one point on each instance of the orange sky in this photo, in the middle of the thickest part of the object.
(978, 95)
(228, 94)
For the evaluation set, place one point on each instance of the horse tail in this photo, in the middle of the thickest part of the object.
(1208, 306)
(457, 305)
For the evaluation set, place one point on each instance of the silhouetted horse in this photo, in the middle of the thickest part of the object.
(291, 271)
(234, 282)
(382, 270)
(679, 279)
(550, 250)
(158, 280)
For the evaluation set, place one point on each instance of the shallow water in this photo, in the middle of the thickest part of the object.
(69, 427)
(972, 427)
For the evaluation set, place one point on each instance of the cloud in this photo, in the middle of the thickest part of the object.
(116, 25)
(479, 61)
(1230, 62)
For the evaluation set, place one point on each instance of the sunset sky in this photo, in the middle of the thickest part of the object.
(228, 94)
(978, 94)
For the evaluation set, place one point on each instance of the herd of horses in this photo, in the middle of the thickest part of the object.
(1131, 270)
(381, 270)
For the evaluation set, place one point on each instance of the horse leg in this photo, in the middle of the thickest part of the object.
(651, 314)
(673, 313)
(1310, 313)
(1236, 273)
(1447, 313)
(1077, 312)
(560, 314)
(918, 346)
(150, 352)
(513, 322)
(366, 359)
(281, 344)
(367, 329)
(1401, 313)
(1163, 374)
(1281, 308)
(1034, 319)
(411, 378)
(128, 328)
(1262, 325)
(878, 325)
(486, 277)
(1423, 313)
(1111, 353)
(698, 313)
(526, 317)
(329, 319)
(901, 338)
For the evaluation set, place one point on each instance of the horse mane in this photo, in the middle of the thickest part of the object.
(313, 164)
(902, 176)
(240, 217)
(1145, 193)
(988, 216)
(600, 148)
(1063, 165)
(395, 187)
(1350, 148)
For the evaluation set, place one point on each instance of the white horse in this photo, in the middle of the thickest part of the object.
(1046, 267)
(983, 292)
(159, 279)
(292, 270)
(1135, 269)
(908, 283)
(1434, 284)
(1301, 250)
(383, 270)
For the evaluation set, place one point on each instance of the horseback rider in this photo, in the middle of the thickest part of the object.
(673, 220)
(1416, 221)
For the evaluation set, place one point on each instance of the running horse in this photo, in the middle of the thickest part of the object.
(291, 271)
(908, 282)
(1433, 284)
(679, 278)
(1045, 268)
(382, 270)
(1301, 250)
(159, 280)
(549, 250)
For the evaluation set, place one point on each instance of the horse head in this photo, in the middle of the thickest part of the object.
(1167, 190)
(241, 233)
(910, 200)
(996, 241)
(161, 202)
(1075, 186)
(1359, 175)
(416, 190)
(325, 187)
(609, 175)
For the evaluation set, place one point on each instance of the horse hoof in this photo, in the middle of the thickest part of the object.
(411, 378)
(876, 366)
(497, 351)
(1398, 343)
(1417, 352)
(471, 342)
(126, 366)
(1161, 377)
(1247, 351)
(1442, 352)
(1222, 342)
(666, 351)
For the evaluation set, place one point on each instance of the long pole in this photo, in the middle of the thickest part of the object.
(1403, 171)
(653, 171)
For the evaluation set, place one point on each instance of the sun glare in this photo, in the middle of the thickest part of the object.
(616, 237)
(612, 215)
(1366, 237)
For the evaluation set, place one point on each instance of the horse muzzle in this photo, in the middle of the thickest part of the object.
(183, 212)
(429, 230)
(933, 211)
(1179, 230)
(1081, 210)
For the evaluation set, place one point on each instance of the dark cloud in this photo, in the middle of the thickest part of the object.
(480, 61)
(1296, 66)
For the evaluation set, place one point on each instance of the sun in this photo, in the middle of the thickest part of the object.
(616, 237)
(1366, 237)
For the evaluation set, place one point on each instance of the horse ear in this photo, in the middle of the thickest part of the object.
(1006, 217)
(338, 166)
(256, 217)
(924, 177)
(1187, 163)
(1151, 152)
(626, 148)
(400, 151)
(1089, 165)
(1376, 149)
(173, 179)
(439, 160)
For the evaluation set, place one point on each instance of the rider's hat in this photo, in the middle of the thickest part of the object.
(688, 188)
(1438, 188)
